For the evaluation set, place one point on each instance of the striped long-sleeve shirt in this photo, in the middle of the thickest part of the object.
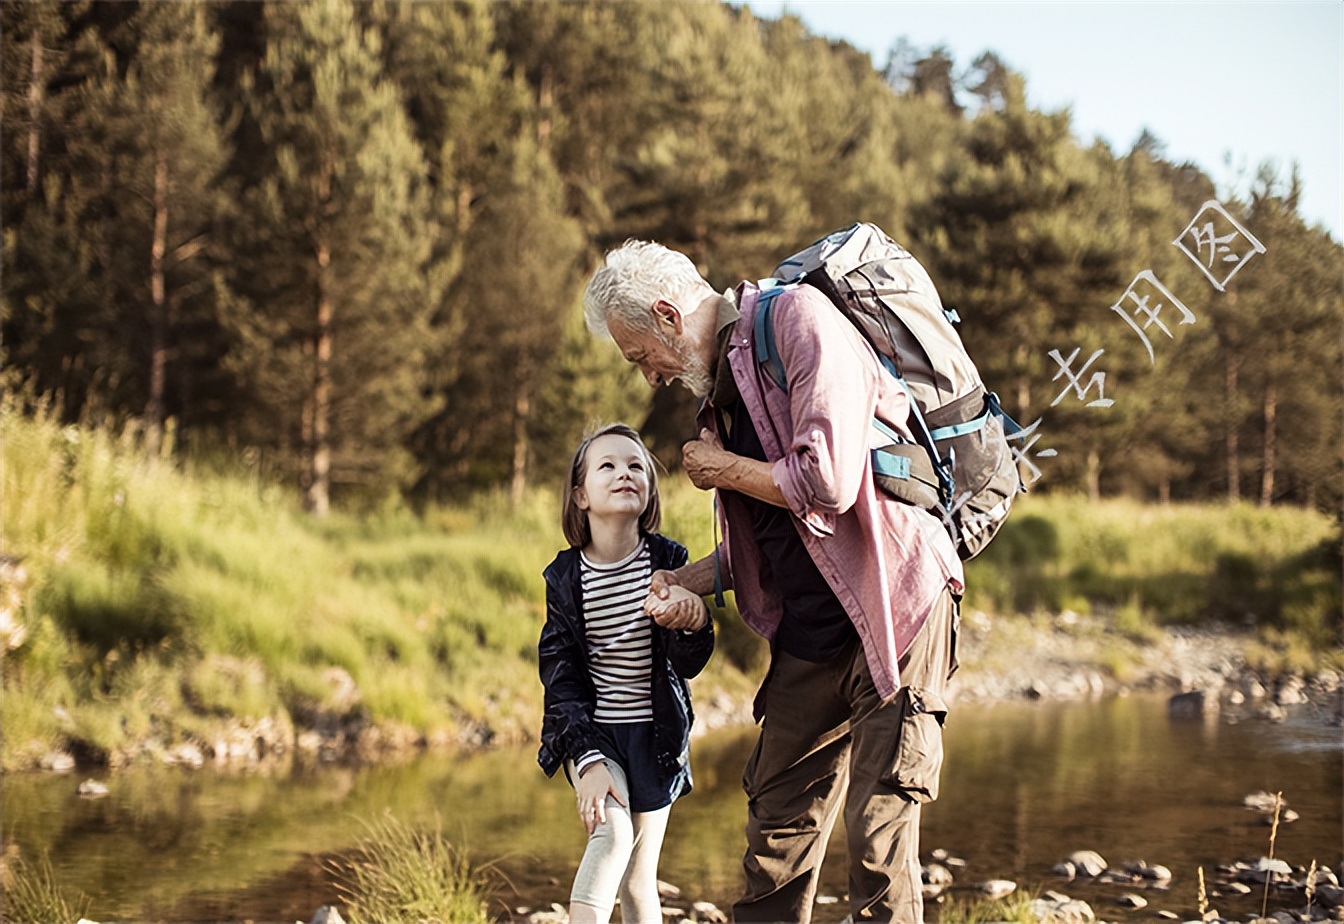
(619, 636)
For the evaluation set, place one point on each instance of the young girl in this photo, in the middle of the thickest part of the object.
(614, 660)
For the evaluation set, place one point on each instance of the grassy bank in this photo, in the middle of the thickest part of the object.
(156, 600)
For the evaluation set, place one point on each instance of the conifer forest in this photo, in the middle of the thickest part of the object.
(344, 244)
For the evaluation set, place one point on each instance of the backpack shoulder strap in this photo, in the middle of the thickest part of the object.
(767, 354)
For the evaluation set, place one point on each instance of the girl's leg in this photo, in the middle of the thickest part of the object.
(604, 860)
(639, 889)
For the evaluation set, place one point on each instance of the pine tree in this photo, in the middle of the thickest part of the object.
(339, 239)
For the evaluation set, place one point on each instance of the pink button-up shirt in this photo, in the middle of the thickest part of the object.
(886, 561)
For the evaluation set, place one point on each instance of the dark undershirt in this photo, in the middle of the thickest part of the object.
(815, 626)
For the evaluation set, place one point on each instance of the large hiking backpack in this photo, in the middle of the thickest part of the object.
(961, 466)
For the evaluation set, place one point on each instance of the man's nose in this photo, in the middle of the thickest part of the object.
(653, 378)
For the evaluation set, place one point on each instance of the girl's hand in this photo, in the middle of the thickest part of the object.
(592, 787)
(679, 609)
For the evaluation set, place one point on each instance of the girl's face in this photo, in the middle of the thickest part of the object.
(616, 482)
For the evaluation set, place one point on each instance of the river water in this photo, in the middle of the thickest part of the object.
(1025, 785)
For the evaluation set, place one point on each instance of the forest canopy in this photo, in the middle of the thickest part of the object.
(345, 243)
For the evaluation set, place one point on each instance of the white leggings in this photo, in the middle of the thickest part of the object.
(622, 855)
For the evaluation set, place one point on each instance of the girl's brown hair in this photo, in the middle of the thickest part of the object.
(573, 519)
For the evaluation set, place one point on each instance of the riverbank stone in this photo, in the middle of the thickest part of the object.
(327, 914)
(1053, 908)
(1088, 862)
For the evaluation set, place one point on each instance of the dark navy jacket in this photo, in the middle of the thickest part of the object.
(567, 731)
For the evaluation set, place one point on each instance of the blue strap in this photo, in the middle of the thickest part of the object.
(961, 429)
(767, 355)
(884, 463)
(718, 570)
(1011, 428)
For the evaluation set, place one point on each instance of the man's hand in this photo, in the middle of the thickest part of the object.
(592, 788)
(661, 581)
(709, 465)
(678, 608)
(705, 460)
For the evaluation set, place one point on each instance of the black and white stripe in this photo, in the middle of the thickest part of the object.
(620, 641)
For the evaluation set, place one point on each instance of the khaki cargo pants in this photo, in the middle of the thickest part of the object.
(827, 740)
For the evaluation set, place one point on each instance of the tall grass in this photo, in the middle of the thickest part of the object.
(400, 873)
(1175, 564)
(172, 595)
(31, 893)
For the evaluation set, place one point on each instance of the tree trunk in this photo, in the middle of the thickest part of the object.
(545, 106)
(1093, 475)
(36, 90)
(1271, 439)
(158, 312)
(317, 499)
(1231, 440)
(522, 412)
(1023, 385)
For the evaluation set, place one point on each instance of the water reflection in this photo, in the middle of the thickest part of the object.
(1024, 786)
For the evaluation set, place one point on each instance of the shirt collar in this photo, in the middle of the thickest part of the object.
(724, 391)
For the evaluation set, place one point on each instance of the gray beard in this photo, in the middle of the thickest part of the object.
(696, 378)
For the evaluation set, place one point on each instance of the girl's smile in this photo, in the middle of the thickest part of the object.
(617, 480)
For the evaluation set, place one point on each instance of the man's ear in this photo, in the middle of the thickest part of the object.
(668, 317)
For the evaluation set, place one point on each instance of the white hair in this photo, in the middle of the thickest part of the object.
(634, 276)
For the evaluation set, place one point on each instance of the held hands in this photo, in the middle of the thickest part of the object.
(592, 787)
(673, 606)
(705, 460)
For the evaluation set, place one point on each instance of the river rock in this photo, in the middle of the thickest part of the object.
(996, 889)
(1156, 872)
(936, 878)
(58, 761)
(1331, 896)
(1324, 875)
(1327, 681)
(1264, 802)
(1065, 870)
(1191, 705)
(1271, 712)
(707, 913)
(185, 755)
(557, 914)
(1291, 692)
(1264, 870)
(1286, 817)
(941, 855)
(327, 914)
(1088, 862)
(1053, 908)
(92, 789)
(1131, 900)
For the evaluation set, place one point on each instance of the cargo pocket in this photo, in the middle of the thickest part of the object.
(919, 753)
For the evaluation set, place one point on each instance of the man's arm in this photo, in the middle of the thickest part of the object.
(696, 576)
(710, 466)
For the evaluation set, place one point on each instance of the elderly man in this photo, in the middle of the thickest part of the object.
(856, 591)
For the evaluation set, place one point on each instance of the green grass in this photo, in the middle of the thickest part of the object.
(174, 596)
(1166, 565)
(31, 893)
(400, 873)
(1015, 909)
